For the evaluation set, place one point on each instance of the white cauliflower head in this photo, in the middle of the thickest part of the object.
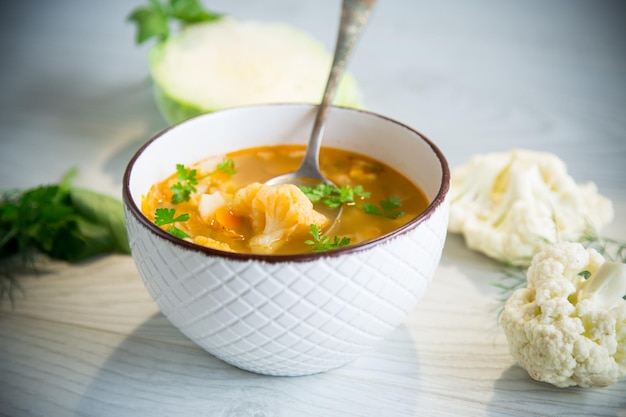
(277, 213)
(510, 205)
(568, 327)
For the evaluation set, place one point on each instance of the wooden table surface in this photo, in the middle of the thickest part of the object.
(473, 75)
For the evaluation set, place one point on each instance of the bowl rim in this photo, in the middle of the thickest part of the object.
(135, 211)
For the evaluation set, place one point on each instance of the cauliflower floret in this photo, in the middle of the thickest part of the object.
(567, 330)
(277, 213)
(510, 205)
(209, 203)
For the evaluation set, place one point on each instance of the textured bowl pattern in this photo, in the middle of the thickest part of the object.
(297, 314)
(292, 318)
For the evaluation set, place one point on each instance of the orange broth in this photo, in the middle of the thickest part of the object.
(259, 164)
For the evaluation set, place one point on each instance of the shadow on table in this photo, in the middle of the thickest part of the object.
(515, 393)
(158, 371)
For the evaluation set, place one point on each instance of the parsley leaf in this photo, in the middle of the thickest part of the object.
(153, 20)
(165, 216)
(177, 232)
(388, 208)
(187, 179)
(185, 185)
(227, 167)
(322, 243)
(334, 196)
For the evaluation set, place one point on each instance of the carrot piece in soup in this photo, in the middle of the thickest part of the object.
(229, 220)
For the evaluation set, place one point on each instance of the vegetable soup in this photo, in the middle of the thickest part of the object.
(222, 202)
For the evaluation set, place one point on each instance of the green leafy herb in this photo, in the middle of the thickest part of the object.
(185, 185)
(321, 243)
(153, 20)
(165, 216)
(334, 196)
(60, 221)
(227, 167)
(388, 208)
(187, 179)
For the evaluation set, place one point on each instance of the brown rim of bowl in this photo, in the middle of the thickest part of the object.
(303, 257)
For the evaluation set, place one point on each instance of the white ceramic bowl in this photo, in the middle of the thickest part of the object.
(288, 315)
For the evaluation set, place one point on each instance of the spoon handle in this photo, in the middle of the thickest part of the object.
(354, 16)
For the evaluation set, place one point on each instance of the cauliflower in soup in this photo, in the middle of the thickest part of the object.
(223, 203)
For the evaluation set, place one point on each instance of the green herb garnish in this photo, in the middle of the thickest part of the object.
(153, 20)
(187, 179)
(62, 221)
(165, 216)
(227, 167)
(58, 220)
(334, 196)
(185, 185)
(321, 243)
(388, 208)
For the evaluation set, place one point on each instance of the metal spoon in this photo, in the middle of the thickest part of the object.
(354, 17)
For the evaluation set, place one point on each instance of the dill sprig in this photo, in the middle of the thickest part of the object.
(514, 277)
(612, 249)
